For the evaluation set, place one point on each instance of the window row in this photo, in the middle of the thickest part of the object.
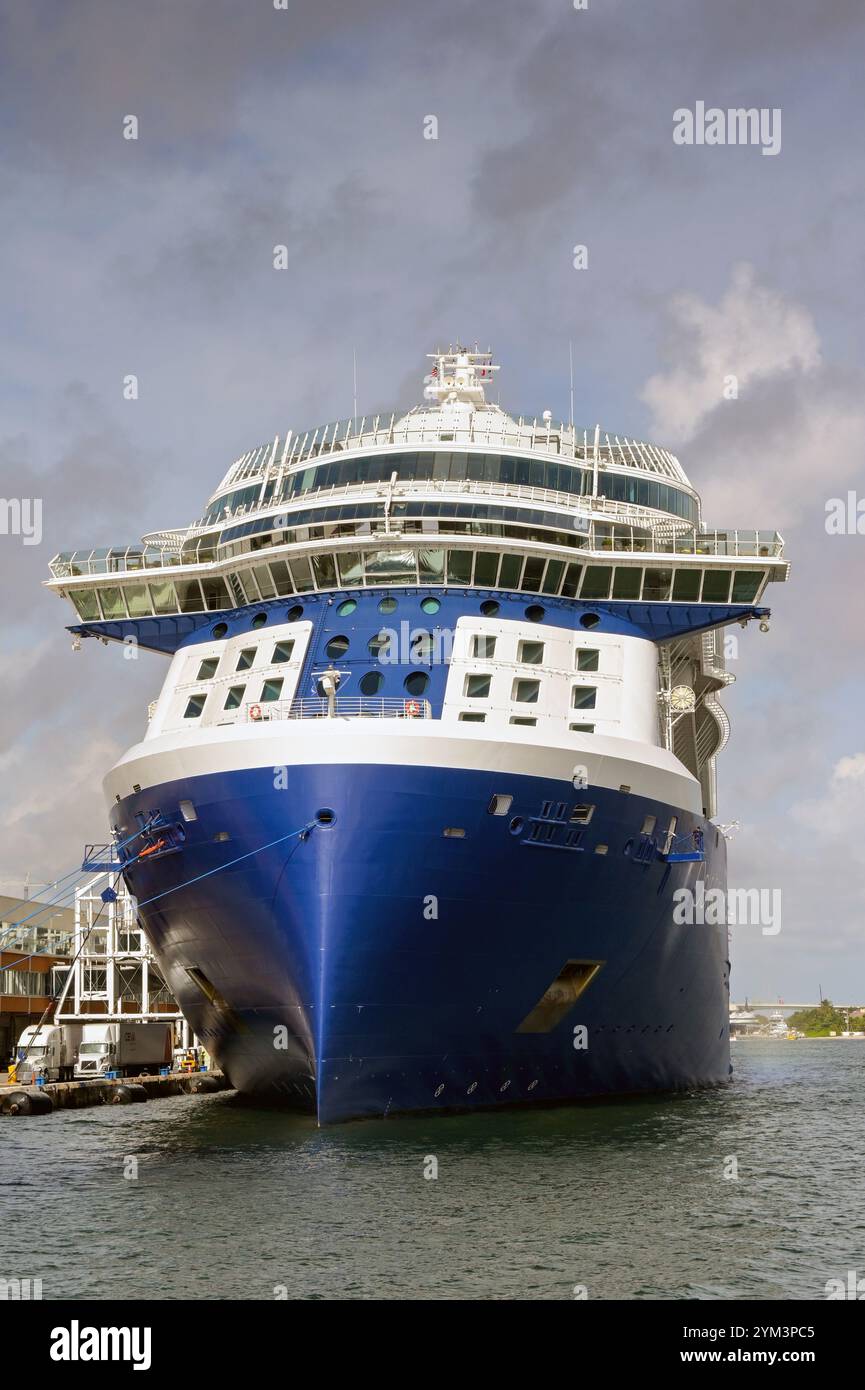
(526, 692)
(532, 653)
(271, 690)
(443, 466)
(473, 716)
(282, 651)
(420, 567)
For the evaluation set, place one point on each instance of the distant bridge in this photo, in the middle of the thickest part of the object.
(781, 1005)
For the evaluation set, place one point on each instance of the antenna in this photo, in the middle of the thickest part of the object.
(354, 359)
(571, 359)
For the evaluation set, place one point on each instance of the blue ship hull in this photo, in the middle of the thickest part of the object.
(379, 966)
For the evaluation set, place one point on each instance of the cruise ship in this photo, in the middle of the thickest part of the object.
(435, 748)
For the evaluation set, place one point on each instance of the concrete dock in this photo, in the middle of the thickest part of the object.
(66, 1095)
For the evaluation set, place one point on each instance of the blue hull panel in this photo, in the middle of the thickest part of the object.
(381, 966)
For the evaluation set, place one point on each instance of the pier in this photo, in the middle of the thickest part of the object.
(74, 1095)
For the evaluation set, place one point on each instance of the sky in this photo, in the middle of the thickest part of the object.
(304, 126)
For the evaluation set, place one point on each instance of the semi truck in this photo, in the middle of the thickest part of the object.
(130, 1049)
(47, 1050)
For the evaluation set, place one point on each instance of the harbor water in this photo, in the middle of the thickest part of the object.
(752, 1191)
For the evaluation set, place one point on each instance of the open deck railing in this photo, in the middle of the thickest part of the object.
(345, 706)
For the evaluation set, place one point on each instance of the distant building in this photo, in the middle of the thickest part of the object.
(34, 954)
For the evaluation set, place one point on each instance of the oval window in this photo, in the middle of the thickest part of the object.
(380, 643)
(387, 605)
(347, 607)
(590, 620)
(295, 613)
(490, 608)
(535, 613)
(337, 646)
(416, 682)
(259, 620)
(371, 683)
(430, 605)
(219, 630)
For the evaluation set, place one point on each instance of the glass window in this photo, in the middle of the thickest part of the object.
(526, 692)
(509, 577)
(207, 669)
(271, 690)
(371, 683)
(532, 574)
(282, 652)
(325, 571)
(234, 697)
(530, 653)
(716, 586)
(138, 600)
(430, 605)
(459, 567)
(572, 581)
(346, 607)
(626, 582)
(85, 604)
(656, 587)
(421, 646)
(337, 647)
(584, 696)
(486, 568)
(523, 719)
(113, 605)
(553, 576)
(686, 586)
(484, 647)
(582, 728)
(746, 584)
(215, 594)
(596, 581)
(189, 596)
(194, 706)
(478, 687)
(587, 659)
(245, 659)
(163, 595)
(301, 576)
(471, 716)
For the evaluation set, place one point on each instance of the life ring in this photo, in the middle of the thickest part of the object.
(255, 711)
(412, 708)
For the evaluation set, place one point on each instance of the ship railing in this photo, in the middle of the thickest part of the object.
(342, 707)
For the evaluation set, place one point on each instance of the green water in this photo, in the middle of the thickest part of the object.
(628, 1199)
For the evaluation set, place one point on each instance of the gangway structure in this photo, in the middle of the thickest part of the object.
(114, 974)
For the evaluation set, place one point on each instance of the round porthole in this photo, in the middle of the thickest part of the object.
(416, 682)
(371, 683)
(295, 614)
(259, 620)
(348, 606)
(325, 816)
(535, 613)
(516, 825)
(490, 608)
(590, 620)
(387, 605)
(219, 630)
(379, 643)
(430, 605)
(337, 646)
(422, 647)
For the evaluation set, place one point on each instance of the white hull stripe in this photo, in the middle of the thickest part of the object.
(609, 762)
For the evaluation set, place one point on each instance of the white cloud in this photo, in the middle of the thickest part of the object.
(752, 334)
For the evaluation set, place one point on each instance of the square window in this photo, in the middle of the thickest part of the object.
(245, 660)
(582, 728)
(587, 659)
(582, 814)
(207, 669)
(470, 716)
(526, 692)
(523, 719)
(530, 653)
(234, 697)
(649, 824)
(271, 690)
(584, 696)
(478, 687)
(500, 805)
(484, 647)
(282, 652)
(194, 706)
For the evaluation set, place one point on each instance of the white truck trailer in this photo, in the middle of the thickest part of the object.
(130, 1049)
(48, 1050)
